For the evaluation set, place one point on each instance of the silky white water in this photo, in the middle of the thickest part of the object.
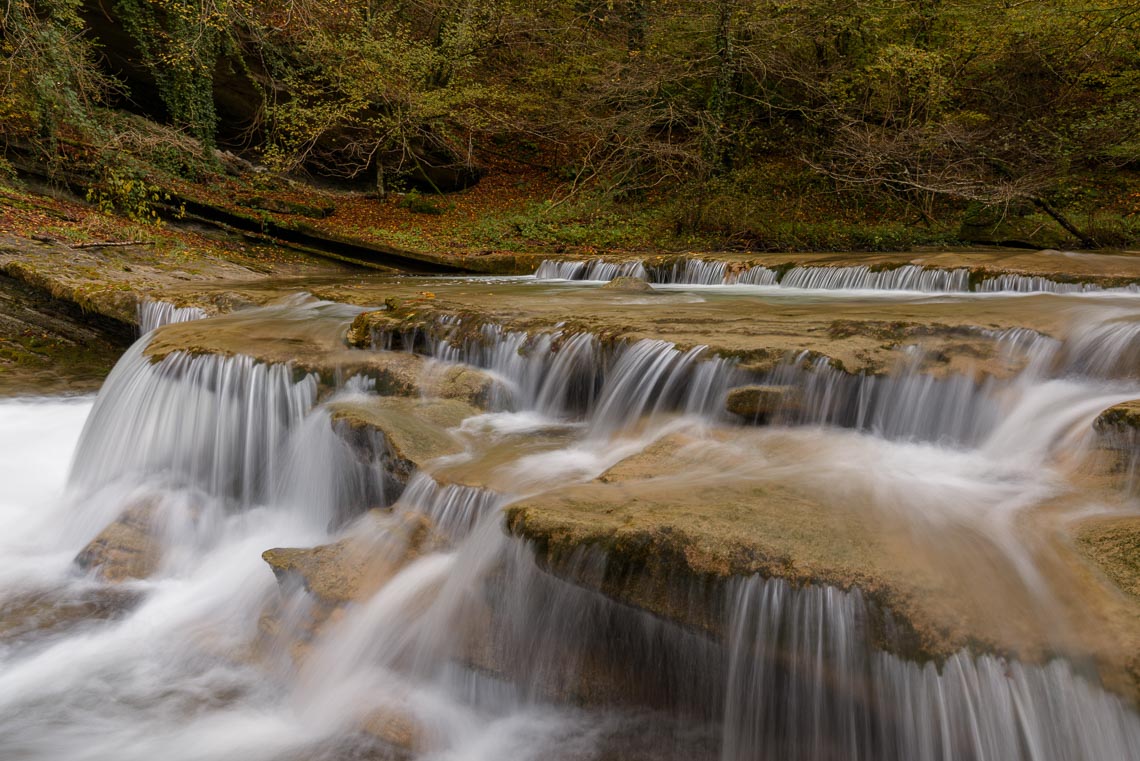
(471, 641)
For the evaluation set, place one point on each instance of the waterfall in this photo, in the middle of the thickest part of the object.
(757, 275)
(907, 277)
(594, 269)
(651, 376)
(806, 683)
(454, 509)
(574, 374)
(490, 646)
(690, 271)
(218, 423)
(1038, 284)
(905, 404)
(1103, 349)
(557, 374)
(154, 314)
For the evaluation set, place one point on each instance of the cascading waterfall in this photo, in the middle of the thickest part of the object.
(806, 683)
(595, 269)
(454, 509)
(218, 423)
(907, 277)
(1103, 349)
(691, 271)
(482, 644)
(911, 403)
(155, 314)
(757, 275)
(905, 404)
(1037, 284)
(574, 374)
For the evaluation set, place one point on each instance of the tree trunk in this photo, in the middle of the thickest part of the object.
(1084, 238)
(715, 150)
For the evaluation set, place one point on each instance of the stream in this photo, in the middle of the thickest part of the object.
(473, 646)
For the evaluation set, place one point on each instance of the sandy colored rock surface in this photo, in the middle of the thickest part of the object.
(415, 430)
(129, 548)
(352, 569)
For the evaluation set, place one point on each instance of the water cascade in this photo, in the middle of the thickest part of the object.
(787, 646)
(154, 314)
(595, 269)
(475, 644)
(575, 374)
(1033, 284)
(240, 410)
(907, 277)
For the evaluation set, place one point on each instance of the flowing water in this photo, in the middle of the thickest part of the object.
(471, 648)
(908, 277)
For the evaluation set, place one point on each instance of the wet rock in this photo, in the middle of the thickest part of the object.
(760, 404)
(129, 548)
(1119, 417)
(628, 284)
(1116, 456)
(352, 569)
(398, 729)
(412, 432)
(31, 614)
(395, 327)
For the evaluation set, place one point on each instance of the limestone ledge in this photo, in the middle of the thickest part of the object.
(665, 543)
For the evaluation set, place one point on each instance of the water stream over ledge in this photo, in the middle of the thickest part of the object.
(471, 643)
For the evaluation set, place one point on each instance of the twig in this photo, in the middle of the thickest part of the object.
(114, 243)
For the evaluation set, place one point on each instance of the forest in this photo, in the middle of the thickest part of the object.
(736, 124)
